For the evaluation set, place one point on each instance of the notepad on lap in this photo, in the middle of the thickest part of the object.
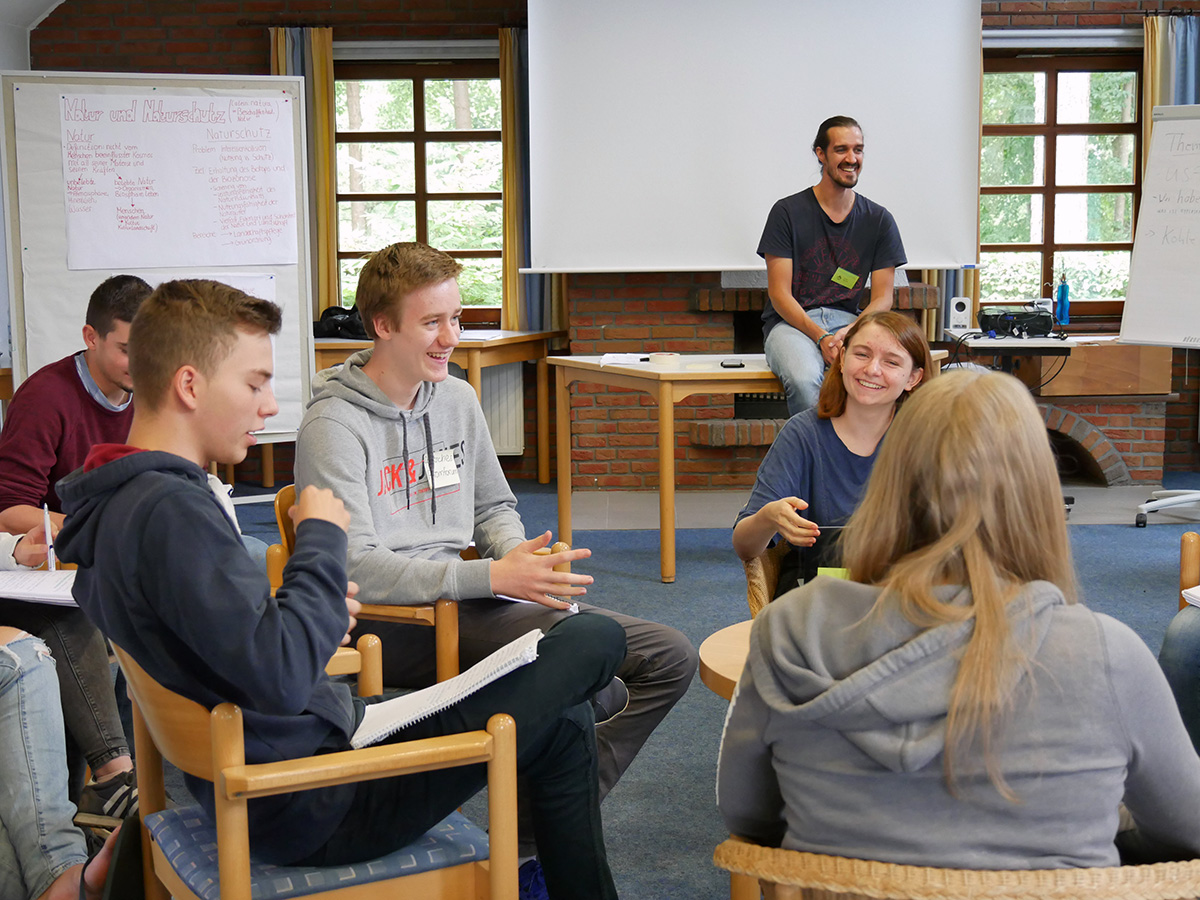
(1192, 595)
(39, 586)
(384, 719)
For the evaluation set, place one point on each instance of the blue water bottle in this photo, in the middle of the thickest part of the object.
(1063, 309)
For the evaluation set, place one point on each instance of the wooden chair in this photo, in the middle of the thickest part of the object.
(178, 855)
(1189, 563)
(791, 875)
(442, 615)
(762, 576)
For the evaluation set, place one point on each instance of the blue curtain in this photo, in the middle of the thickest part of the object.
(1186, 44)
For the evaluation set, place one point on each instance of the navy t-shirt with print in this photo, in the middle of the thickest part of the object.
(797, 227)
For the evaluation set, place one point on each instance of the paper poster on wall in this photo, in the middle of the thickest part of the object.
(174, 180)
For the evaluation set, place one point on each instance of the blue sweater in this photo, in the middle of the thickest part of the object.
(164, 575)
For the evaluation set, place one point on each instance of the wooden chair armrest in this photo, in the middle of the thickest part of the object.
(382, 761)
(277, 557)
(345, 661)
(391, 612)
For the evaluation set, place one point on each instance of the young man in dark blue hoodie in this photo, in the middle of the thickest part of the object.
(164, 575)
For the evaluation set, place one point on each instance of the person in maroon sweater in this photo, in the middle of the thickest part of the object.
(54, 419)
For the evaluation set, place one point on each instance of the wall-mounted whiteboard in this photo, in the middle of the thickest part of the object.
(662, 132)
(1162, 304)
(159, 176)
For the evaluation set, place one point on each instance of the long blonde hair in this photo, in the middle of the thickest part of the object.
(965, 491)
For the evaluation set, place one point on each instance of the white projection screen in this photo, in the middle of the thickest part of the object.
(662, 131)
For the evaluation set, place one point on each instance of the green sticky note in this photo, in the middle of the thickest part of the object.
(844, 574)
(844, 278)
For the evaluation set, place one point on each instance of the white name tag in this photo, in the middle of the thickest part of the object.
(445, 472)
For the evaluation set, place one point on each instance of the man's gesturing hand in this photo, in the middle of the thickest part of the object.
(526, 574)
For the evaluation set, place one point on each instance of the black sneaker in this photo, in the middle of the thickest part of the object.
(610, 701)
(116, 796)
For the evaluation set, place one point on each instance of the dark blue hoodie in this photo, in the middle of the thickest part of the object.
(163, 574)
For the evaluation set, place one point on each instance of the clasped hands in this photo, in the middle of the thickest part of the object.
(527, 573)
(831, 349)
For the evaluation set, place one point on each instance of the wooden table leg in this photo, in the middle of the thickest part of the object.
(229, 473)
(666, 480)
(543, 420)
(268, 465)
(562, 456)
(475, 373)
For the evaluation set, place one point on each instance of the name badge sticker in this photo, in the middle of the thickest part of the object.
(844, 278)
(445, 472)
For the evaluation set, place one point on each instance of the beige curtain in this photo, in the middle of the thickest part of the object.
(1156, 75)
(512, 304)
(309, 52)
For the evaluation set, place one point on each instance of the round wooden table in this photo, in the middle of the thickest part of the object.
(723, 656)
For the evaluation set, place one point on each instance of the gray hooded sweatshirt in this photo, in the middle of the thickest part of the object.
(411, 511)
(834, 740)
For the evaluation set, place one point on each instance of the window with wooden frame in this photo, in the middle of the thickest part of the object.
(419, 159)
(1060, 178)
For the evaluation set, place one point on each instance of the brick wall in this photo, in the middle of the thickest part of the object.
(1074, 13)
(1182, 451)
(608, 312)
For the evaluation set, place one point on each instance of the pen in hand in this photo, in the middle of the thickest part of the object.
(50, 559)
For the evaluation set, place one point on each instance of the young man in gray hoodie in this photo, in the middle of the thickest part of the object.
(408, 451)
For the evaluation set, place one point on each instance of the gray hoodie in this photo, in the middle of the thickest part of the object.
(409, 519)
(834, 740)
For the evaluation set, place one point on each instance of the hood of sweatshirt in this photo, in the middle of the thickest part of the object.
(349, 382)
(826, 655)
(85, 494)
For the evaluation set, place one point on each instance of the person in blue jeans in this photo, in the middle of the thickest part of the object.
(1180, 661)
(820, 246)
(42, 854)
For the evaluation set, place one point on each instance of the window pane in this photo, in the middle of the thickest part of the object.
(465, 224)
(370, 224)
(1108, 97)
(1094, 274)
(1094, 159)
(373, 105)
(1010, 277)
(479, 282)
(462, 104)
(1082, 218)
(1010, 219)
(376, 168)
(1017, 160)
(1014, 98)
(348, 270)
(463, 166)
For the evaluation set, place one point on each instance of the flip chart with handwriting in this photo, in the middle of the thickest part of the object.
(191, 181)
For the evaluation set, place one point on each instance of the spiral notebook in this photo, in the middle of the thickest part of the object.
(385, 719)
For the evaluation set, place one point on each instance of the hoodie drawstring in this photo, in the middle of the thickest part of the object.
(407, 478)
(430, 465)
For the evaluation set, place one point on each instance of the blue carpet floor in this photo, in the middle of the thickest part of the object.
(661, 822)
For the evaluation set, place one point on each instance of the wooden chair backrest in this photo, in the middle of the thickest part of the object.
(180, 728)
(762, 576)
(1189, 563)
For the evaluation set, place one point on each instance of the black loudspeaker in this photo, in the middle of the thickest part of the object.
(1016, 321)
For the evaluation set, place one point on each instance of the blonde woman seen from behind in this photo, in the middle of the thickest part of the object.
(951, 705)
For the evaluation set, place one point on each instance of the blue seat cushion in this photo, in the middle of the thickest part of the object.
(189, 841)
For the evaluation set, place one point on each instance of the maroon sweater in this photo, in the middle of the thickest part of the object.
(51, 425)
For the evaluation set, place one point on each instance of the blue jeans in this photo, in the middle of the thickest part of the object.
(37, 840)
(85, 680)
(1180, 661)
(796, 360)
